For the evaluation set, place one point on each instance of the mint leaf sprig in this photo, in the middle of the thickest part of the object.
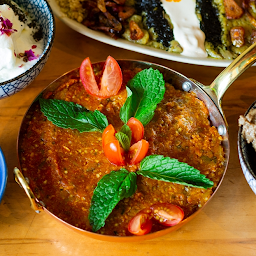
(124, 136)
(168, 169)
(67, 114)
(115, 186)
(111, 189)
(144, 92)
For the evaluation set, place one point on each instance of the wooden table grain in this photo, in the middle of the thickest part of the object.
(226, 226)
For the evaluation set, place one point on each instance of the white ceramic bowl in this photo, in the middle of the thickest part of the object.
(247, 157)
(41, 10)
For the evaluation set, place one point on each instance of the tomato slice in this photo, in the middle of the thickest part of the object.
(114, 152)
(138, 151)
(111, 79)
(141, 223)
(167, 214)
(111, 146)
(108, 135)
(137, 129)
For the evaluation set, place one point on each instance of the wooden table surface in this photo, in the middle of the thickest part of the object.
(226, 226)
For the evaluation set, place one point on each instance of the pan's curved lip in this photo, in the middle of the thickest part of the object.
(129, 238)
(161, 232)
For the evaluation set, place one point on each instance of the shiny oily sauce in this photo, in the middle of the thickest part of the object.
(63, 166)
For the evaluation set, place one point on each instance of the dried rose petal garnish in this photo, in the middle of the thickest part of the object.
(30, 55)
(6, 27)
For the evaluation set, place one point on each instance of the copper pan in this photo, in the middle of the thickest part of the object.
(210, 95)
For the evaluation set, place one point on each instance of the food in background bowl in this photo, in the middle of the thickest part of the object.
(67, 160)
(220, 29)
(247, 145)
(21, 41)
(26, 38)
(248, 124)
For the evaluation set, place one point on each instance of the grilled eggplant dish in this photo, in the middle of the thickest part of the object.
(220, 29)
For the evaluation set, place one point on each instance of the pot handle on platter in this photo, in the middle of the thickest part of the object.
(19, 178)
(222, 82)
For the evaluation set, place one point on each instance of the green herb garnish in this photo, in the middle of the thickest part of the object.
(112, 188)
(144, 92)
(124, 136)
(117, 185)
(67, 114)
(168, 169)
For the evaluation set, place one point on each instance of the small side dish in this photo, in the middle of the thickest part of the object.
(247, 145)
(122, 161)
(21, 41)
(248, 124)
(39, 16)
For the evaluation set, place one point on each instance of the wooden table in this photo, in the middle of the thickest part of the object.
(226, 226)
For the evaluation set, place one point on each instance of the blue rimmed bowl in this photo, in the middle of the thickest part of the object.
(3, 174)
(247, 156)
(41, 10)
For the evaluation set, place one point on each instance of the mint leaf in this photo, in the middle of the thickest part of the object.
(112, 188)
(67, 114)
(124, 136)
(144, 92)
(168, 169)
(126, 109)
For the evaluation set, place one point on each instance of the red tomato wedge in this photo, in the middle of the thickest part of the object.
(167, 214)
(141, 223)
(111, 146)
(137, 129)
(108, 135)
(114, 152)
(110, 82)
(138, 151)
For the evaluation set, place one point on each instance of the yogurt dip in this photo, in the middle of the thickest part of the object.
(19, 47)
(186, 26)
(249, 127)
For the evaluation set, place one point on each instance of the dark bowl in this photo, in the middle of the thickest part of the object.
(247, 156)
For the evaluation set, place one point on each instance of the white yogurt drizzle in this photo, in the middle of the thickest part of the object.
(186, 27)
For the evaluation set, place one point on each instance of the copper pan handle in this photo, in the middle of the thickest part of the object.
(222, 82)
(19, 178)
(232, 72)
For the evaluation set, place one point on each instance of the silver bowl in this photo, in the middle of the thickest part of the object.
(41, 10)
